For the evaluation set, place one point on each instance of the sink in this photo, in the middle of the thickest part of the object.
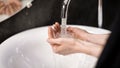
(29, 49)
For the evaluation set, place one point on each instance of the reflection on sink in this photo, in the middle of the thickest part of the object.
(29, 49)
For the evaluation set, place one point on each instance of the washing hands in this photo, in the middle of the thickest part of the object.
(80, 42)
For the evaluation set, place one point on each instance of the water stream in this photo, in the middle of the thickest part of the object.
(64, 13)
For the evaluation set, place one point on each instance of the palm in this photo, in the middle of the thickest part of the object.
(77, 33)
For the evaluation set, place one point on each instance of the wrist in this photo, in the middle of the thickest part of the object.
(96, 51)
(93, 49)
(80, 47)
(87, 36)
(88, 48)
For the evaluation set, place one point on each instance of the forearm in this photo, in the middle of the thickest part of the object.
(89, 48)
(94, 49)
(99, 39)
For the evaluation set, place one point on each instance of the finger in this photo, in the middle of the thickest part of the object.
(2, 10)
(7, 10)
(2, 6)
(50, 32)
(14, 6)
(18, 2)
(11, 10)
(17, 6)
(57, 26)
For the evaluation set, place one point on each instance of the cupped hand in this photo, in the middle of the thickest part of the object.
(63, 46)
(73, 44)
(66, 46)
(59, 45)
(81, 34)
(78, 33)
(74, 32)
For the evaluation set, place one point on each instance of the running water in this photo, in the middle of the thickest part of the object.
(64, 13)
(100, 19)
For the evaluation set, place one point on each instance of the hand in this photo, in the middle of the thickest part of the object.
(72, 31)
(78, 33)
(65, 46)
(9, 7)
(62, 46)
(81, 34)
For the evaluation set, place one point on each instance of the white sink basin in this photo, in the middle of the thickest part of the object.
(29, 49)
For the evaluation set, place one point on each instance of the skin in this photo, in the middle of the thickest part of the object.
(9, 7)
(80, 41)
